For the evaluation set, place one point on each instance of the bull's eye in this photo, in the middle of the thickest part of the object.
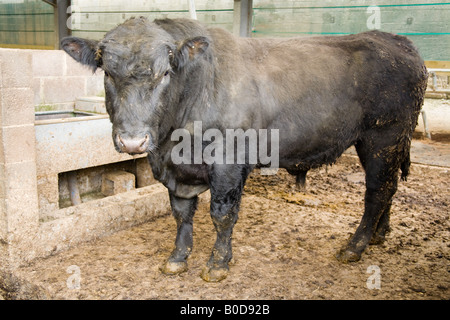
(167, 72)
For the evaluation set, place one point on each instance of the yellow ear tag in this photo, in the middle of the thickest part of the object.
(98, 54)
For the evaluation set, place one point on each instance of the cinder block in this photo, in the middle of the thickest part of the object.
(48, 193)
(95, 84)
(37, 91)
(2, 183)
(48, 63)
(63, 89)
(18, 144)
(16, 68)
(20, 202)
(115, 182)
(2, 147)
(91, 104)
(16, 106)
(3, 216)
(19, 178)
(22, 217)
(74, 68)
(3, 223)
(144, 174)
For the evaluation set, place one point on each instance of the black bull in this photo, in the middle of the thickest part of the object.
(322, 94)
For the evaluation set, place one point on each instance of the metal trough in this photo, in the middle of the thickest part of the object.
(67, 141)
(51, 115)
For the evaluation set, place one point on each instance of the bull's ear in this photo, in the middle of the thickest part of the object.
(190, 50)
(82, 50)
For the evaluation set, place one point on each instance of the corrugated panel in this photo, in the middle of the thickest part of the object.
(26, 24)
(29, 23)
(94, 19)
(427, 23)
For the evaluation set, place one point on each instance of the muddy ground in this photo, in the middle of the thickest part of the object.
(284, 246)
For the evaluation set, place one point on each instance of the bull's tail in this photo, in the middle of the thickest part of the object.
(404, 166)
(418, 95)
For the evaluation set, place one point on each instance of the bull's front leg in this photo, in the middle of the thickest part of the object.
(226, 185)
(183, 211)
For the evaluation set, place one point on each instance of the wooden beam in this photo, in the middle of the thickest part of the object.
(50, 2)
(243, 15)
(438, 64)
(60, 14)
(62, 17)
(192, 11)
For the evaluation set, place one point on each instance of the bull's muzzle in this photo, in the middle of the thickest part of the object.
(134, 145)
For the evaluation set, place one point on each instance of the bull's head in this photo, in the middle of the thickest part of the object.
(140, 60)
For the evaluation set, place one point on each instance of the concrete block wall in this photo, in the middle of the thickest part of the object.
(18, 198)
(58, 80)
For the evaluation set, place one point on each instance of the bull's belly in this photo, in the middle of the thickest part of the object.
(311, 138)
(307, 162)
(308, 154)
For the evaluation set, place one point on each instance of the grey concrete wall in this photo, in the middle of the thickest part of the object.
(58, 80)
(18, 197)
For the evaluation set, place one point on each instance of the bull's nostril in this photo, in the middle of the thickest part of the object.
(133, 145)
(144, 142)
(121, 143)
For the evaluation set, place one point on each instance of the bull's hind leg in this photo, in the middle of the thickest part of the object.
(300, 178)
(381, 160)
(183, 211)
(382, 227)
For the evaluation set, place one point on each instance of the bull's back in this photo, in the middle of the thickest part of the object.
(359, 66)
(322, 92)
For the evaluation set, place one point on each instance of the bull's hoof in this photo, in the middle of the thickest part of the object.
(214, 274)
(377, 239)
(172, 267)
(347, 255)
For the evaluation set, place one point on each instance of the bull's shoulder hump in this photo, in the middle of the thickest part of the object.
(182, 28)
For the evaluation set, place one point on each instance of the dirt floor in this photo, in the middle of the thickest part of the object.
(284, 245)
